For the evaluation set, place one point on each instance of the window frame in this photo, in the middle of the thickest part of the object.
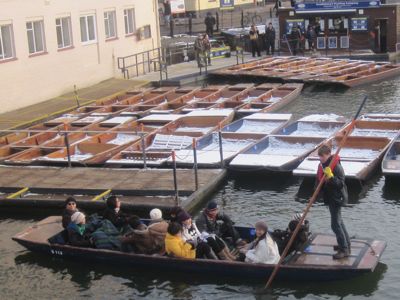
(88, 42)
(107, 23)
(13, 55)
(133, 19)
(71, 45)
(32, 29)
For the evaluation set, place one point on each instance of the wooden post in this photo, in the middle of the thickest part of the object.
(175, 178)
(143, 151)
(196, 175)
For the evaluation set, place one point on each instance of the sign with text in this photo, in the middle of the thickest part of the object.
(335, 5)
(177, 6)
(359, 24)
(226, 4)
(298, 22)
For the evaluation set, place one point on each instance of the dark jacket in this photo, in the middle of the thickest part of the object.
(119, 219)
(295, 34)
(209, 21)
(76, 238)
(282, 237)
(254, 34)
(167, 8)
(66, 217)
(334, 191)
(222, 226)
(270, 33)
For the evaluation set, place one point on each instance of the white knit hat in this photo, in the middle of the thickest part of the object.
(155, 214)
(77, 217)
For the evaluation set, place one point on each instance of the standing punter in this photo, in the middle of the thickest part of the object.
(334, 193)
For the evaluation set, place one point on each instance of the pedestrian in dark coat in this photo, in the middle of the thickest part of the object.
(334, 193)
(209, 21)
(70, 209)
(295, 37)
(311, 37)
(270, 35)
(254, 35)
(113, 212)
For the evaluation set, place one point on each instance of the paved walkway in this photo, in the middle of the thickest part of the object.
(34, 113)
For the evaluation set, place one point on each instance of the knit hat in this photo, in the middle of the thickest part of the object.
(212, 205)
(112, 202)
(183, 216)
(70, 199)
(155, 214)
(77, 217)
(262, 225)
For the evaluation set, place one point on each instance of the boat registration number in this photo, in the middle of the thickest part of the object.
(56, 252)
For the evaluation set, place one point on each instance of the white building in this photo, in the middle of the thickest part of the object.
(48, 46)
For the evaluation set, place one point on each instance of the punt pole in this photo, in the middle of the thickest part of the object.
(314, 197)
(66, 140)
(175, 178)
(196, 175)
(143, 151)
(221, 152)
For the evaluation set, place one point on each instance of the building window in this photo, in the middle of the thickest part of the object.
(88, 29)
(129, 17)
(147, 31)
(64, 33)
(110, 24)
(35, 31)
(6, 42)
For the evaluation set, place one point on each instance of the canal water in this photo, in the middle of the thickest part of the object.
(374, 212)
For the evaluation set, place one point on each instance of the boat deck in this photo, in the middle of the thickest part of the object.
(43, 187)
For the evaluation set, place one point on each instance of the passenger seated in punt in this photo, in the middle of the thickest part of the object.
(70, 209)
(214, 222)
(77, 233)
(263, 249)
(113, 212)
(282, 237)
(147, 240)
(192, 235)
(175, 245)
(173, 214)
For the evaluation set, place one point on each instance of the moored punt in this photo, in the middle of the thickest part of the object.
(276, 153)
(176, 135)
(180, 103)
(360, 157)
(236, 137)
(314, 263)
(381, 117)
(374, 128)
(279, 97)
(221, 96)
(391, 160)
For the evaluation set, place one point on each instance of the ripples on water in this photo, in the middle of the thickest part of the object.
(374, 212)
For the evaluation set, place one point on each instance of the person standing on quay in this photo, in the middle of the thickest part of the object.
(295, 37)
(209, 21)
(167, 12)
(334, 193)
(199, 50)
(254, 34)
(270, 38)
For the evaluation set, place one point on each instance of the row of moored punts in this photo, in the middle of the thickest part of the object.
(345, 72)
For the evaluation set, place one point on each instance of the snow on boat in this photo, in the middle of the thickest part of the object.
(374, 128)
(391, 160)
(314, 263)
(176, 135)
(236, 137)
(221, 96)
(360, 157)
(276, 153)
(275, 100)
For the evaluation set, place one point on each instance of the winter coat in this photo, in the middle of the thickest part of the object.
(157, 232)
(119, 219)
(254, 35)
(76, 237)
(334, 191)
(204, 223)
(266, 252)
(199, 45)
(209, 21)
(270, 33)
(66, 217)
(175, 246)
(167, 8)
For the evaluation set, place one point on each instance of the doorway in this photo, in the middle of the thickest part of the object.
(381, 35)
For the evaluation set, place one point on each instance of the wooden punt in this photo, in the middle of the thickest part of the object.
(276, 153)
(316, 125)
(178, 104)
(391, 160)
(374, 128)
(176, 135)
(146, 107)
(381, 117)
(360, 157)
(236, 138)
(275, 100)
(232, 70)
(221, 96)
(313, 263)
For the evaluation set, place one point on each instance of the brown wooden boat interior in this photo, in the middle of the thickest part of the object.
(27, 156)
(372, 125)
(14, 137)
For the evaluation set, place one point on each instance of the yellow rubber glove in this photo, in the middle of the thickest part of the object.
(328, 173)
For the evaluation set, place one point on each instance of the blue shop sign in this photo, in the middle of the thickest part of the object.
(226, 4)
(335, 5)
